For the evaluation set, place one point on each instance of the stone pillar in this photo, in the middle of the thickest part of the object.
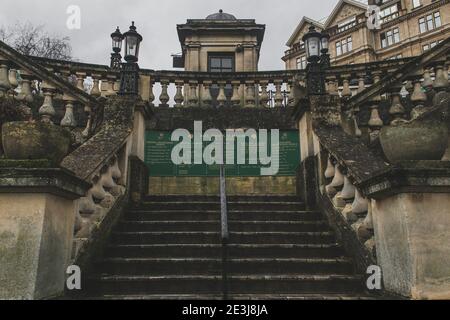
(37, 218)
(412, 230)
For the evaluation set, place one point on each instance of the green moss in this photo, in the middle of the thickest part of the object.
(7, 163)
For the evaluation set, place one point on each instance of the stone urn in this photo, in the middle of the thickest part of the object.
(24, 140)
(421, 139)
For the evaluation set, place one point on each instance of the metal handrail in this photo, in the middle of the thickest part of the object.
(224, 229)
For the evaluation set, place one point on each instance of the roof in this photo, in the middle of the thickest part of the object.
(304, 21)
(221, 16)
(337, 8)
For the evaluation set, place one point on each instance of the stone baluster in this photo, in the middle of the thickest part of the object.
(427, 82)
(69, 118)
(111, 80)
(348, 195)
(87, 130)
(236, 98)
(207, 98)
(440, 81)
(221, 98)
(4, 78)
(164, 96)
(330, 170)
(375, 123)
(418, 99)
(151, 97)
(291, 97)
(12, 76)
(346, 92)
(179, 98)
(361, 83)
(25, 93)
(355, 111)
(278, 94)
(397, 111)
(364, 226)
(332, 87)
(264, 97)
(80, 80)
(250, 99)
(95, 92)
(47, 111)
(193, 97)
(337, 182)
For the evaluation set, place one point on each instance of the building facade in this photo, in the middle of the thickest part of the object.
(407, 28)
(220, 43)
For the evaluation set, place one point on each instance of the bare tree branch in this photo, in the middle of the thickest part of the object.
(33, 40)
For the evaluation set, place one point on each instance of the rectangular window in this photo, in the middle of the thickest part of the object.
(343, 46)
(430, 22)
(422, 25)
(389, 13)
(437, 19)
(426, 47)
(221, 63)
(390, 37)
(338, 49)
(301, 63)
(416, 3)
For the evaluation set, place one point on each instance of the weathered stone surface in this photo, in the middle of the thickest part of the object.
(413, 244)
(210, 186)
(221, 118)
(418, 140)
(37, 140)
(35, 242)
(114, 131)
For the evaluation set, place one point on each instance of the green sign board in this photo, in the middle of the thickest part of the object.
(158, 151)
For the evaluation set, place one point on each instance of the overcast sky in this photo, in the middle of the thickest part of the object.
(156, 22)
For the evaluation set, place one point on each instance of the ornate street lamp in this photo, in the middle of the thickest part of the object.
(132, 43)
(315, 76)
(129, 79)
(116, 57)
(312, 44)
(325, 57)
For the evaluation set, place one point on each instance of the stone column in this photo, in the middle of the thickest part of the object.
(411, 221)
(37, 218)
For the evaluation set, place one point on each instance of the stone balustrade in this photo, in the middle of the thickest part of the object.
(108, 186)
(201, 89)
(54, 95)
(349, 201)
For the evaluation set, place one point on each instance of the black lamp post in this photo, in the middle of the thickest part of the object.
(116, 57)
(316, 45)
(129, 79)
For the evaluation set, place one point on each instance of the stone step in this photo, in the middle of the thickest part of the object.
(215, 205)
(239, 226)
(208, 266)
(241, 297)
(206, 215)
(252, 284)
(257, 198)
(215, 238)
(236, 251)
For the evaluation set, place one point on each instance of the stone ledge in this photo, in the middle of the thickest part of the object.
(410, 177)
(55, 181)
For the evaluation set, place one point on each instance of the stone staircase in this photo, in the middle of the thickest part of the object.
(170, 248)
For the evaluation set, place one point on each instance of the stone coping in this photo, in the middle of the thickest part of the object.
(410, 177)
(56, 181)
(357, 159)
(169, 119)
